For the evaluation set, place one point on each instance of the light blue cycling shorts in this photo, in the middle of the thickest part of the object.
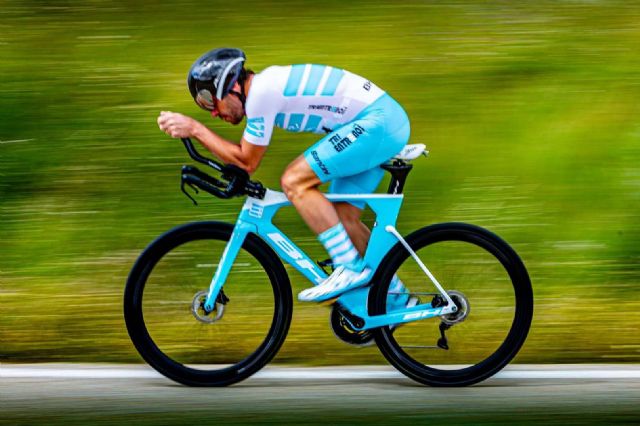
(350, 156)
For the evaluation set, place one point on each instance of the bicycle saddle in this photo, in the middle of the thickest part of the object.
(412, 151)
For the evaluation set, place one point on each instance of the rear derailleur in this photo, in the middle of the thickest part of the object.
(449, 320)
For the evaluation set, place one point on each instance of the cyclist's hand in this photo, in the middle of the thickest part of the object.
(176, 125)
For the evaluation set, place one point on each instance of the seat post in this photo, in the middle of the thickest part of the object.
(399, 171)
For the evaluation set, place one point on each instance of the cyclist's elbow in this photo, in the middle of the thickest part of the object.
(250, 168)
(250, 155)
(247, 165)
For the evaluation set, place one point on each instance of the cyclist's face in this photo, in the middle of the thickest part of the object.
(229, 108)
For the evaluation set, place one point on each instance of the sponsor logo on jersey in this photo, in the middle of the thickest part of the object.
(330, 108)
(340, 144)
(357, 131)
(255, 126)
(367, 86)
(316, 158)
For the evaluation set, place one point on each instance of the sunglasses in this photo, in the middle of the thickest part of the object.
(205, 100)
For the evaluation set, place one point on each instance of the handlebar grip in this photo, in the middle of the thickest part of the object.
(238, 178)
(202, 175)
(205, 186)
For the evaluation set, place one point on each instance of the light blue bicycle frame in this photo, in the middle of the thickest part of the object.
(257, 215)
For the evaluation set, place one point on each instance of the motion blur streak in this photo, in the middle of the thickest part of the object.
(530, 111)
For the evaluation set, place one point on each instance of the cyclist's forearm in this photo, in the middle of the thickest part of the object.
(225, 150)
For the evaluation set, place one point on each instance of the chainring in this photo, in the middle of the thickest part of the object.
(344, 331)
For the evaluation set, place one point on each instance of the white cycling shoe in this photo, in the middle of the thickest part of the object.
(340, 281)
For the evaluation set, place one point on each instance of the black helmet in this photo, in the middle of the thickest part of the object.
(214, 74)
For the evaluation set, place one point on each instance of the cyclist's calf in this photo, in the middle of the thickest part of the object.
(358, 232)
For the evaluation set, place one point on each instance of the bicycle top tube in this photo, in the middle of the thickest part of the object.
(257, 216)
(278, 198)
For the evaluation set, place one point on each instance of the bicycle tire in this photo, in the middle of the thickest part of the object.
(517, 331)
(137, 328)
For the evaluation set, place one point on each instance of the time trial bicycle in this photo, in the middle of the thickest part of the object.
(210, 303)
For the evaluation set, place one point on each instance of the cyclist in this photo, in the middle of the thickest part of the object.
(363, 127)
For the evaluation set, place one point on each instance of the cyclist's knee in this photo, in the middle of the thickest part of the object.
(297, 179)
(289, 183)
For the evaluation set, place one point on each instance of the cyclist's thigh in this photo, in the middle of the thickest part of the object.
(346, 151)
(350, 156)
(378, 133)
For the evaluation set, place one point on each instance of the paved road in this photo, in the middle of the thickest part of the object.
(109, 394)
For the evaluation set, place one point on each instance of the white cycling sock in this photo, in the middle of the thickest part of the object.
(339, 245)
(396, 285)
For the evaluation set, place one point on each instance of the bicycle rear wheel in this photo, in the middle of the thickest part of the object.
(160, 294)
(488, 281)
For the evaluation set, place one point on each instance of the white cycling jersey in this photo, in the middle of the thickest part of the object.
(304, 98)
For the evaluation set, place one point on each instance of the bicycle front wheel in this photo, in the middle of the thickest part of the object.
(170, 278)
(489, 284)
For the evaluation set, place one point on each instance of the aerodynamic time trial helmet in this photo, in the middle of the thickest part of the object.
(213, 75)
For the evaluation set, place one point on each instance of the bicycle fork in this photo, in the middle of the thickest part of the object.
(229, 255)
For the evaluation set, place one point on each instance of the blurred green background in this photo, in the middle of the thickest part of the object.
(530, 110)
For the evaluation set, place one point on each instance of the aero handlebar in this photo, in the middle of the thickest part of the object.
(235, 181)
